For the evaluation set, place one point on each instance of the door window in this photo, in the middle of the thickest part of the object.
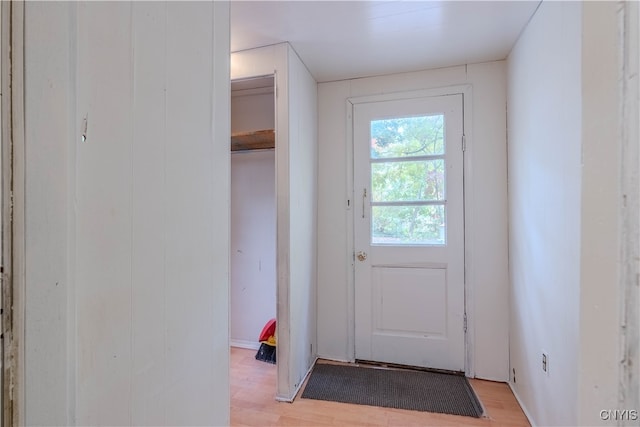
(408, 181)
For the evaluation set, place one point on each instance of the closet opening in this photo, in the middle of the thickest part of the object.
(253, 270)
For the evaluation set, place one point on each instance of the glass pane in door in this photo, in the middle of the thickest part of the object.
(407, 137)
(408, 225)
(408, 181)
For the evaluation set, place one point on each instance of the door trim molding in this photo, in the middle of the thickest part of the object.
(628, 390)
(466, 91)
(13, 210)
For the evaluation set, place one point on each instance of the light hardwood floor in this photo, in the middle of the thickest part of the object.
(253, 404)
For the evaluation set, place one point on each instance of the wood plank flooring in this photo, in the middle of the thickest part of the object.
(253, 385)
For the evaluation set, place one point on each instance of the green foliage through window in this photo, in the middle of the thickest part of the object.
(407, 136)
(408, 225)
(407, 181)
(401, 179)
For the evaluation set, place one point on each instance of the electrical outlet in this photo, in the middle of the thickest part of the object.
(545, 363)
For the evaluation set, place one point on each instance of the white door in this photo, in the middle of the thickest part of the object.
(409, 232)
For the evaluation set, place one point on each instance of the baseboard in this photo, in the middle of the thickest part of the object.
(297, 390)
(524, 408)
(252, 345)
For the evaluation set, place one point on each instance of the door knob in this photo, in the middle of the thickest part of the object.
(361, 255)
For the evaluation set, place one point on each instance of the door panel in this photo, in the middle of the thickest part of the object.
(399, 293)
(409, 237)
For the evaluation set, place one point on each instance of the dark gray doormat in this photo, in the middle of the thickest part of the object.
(402, 389)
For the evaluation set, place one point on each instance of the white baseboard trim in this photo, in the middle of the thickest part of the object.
(297, 390)
(252, 345)
(524, 408)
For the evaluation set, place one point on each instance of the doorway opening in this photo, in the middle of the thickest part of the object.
(253, 295)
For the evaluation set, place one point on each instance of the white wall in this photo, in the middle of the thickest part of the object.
(253, 244)
(296, 156)
(486, 210)
(602, 204)
(252, 112)
(49, 106)
(128, 213)
(303, 193)
(565, 204)
(544, 197)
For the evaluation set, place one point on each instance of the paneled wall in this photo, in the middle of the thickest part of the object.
(49, 382)
(134, 328)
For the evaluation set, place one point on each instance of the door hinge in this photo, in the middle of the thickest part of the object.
(464, 142)
(465, 322)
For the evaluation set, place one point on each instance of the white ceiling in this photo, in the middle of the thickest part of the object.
(348, 39)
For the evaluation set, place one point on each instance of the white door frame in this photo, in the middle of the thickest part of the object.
(465, 91)
(13, 211)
